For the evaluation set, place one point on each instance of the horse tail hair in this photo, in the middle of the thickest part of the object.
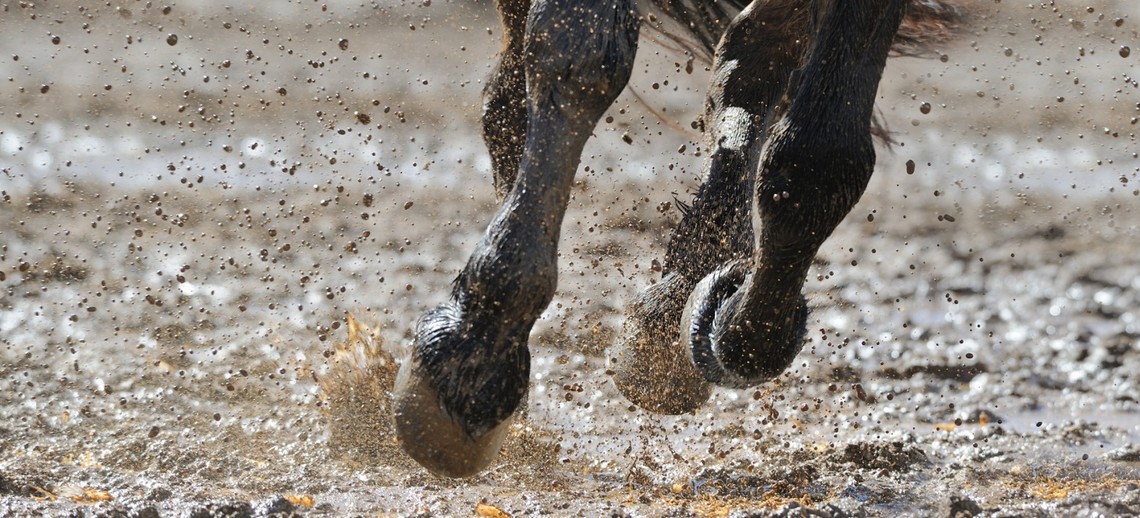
(927, 25)
(703, 20)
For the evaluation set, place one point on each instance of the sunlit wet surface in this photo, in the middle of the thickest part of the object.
(186, 226)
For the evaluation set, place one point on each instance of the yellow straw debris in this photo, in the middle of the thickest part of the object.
(48, 496)
(490, 511)
(92, 496)
(303, 500)
(1051, 488)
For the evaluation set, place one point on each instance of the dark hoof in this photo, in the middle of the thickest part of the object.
(430, 436)
(731, 346)
(456, 395)
(651, 369)
(712, 301)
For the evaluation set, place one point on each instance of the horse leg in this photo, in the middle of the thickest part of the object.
(504, 99)
(751, 68)
(470, 365)
(745, 322)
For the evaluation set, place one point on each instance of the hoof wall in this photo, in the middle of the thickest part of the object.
(431, 437)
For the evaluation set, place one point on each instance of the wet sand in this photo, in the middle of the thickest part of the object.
(178, 258)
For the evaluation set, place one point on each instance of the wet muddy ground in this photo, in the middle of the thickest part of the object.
(179, 258)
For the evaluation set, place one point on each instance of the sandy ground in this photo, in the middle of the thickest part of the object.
(186, 224)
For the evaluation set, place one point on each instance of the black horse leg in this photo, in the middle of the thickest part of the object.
(752, 65)
(744, 323)
(470, 364)
(504, 99)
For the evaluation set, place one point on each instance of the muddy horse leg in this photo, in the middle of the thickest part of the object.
(504, 99)
(470, 364)
(745, 322)
(751, 68)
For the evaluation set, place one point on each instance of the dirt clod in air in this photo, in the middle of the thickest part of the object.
(358, 394)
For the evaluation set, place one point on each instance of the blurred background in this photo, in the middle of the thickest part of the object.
(1032, 97)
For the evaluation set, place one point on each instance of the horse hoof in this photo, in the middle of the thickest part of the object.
(431, 437)
(457, 393)
(651, 369)
(713, 300)
(735, 347)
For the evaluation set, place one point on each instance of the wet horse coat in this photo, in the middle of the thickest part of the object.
(788, 121)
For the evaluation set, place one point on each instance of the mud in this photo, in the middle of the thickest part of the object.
(179, 259)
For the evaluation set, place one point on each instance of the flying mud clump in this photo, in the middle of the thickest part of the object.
(357, 393)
